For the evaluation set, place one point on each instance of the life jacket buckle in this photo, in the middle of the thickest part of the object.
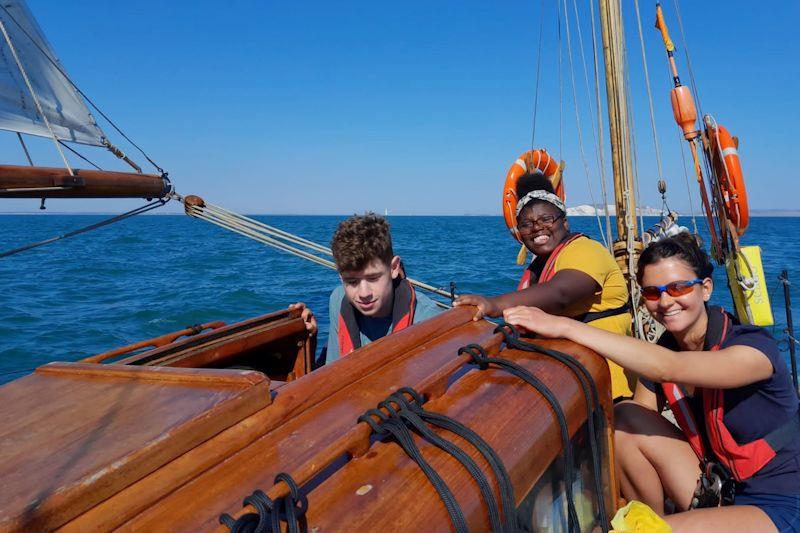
(715, 488)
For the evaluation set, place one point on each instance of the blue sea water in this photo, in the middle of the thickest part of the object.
(154, 274)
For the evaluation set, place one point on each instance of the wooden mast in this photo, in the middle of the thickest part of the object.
(627, 246)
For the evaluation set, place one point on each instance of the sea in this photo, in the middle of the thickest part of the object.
(150, 275)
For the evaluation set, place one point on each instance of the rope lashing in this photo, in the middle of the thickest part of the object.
(277, 238)
(595, 418)
(270, 513)
(483, 360)
(507, 499)
(139, 210)
(384, 426)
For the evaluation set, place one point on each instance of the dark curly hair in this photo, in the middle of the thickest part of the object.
(533, 182)
(360, 239)
(685, 246)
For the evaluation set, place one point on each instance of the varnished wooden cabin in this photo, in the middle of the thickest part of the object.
(174, 437)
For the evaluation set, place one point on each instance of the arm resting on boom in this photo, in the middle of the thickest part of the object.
(728, 368)
(566, 288)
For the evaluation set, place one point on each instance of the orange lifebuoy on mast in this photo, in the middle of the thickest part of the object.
(527, 164)
(728, 168)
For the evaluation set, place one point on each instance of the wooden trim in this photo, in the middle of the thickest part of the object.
(200, 376)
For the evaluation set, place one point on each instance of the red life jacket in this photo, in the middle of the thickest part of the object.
(405, 302)
(742, 460)
(549, 267)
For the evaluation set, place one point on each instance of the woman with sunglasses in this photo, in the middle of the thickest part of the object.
(730, 392)
(570, 275)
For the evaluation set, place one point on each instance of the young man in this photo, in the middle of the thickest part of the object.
(374, 298)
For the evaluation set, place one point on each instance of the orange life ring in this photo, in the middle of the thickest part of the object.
(728, 169)
(527, 163)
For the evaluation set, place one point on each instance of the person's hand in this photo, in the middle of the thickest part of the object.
(307, 316)
(486, 306)
(537, 321)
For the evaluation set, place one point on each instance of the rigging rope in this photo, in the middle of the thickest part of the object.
(686, 178)
(560, 84)
(25, 149)
(71, 149)
(649, 95)
(138, 211)
(600, 147)
(538, 70)
(688, 59)
(33, 93)
(57, 66)
(279, 239)
(578, 124)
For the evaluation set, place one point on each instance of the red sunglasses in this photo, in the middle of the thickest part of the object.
(674, 289)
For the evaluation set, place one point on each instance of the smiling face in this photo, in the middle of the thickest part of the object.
(540, 239)
(371, 289)
(678, 314)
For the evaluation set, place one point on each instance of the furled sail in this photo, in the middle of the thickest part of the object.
(64, 108)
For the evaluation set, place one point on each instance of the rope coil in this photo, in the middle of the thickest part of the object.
(483, 360)
(595, 418)
(270, 513)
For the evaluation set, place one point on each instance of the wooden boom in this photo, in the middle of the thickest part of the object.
(49, 182)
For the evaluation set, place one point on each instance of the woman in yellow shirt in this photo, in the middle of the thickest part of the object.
(570, 275)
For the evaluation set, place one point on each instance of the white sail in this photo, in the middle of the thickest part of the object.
(64, 107)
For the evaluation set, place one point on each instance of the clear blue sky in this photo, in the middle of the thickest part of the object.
(417, 107)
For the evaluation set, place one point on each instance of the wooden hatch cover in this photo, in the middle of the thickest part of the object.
(72, 434)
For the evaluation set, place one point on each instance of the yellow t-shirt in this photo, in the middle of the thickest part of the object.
(593, 259)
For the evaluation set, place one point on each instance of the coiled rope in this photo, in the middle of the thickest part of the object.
(277, 238)
(507, 498)
(383, 426)
(483, 360)
(595, 417)
(270, 513)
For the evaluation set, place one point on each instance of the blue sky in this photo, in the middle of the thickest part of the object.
(417, 107)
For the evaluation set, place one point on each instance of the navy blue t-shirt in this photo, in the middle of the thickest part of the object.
(755, 410)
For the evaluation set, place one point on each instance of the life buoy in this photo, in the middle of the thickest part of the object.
(527, 163)
(728, 169)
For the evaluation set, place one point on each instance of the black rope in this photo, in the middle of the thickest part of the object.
(393, 426)
(66, 77)
(270, 513)
(482, 359)
(595, 417)
(139, 210)
(507, 498)
(417, 424)
(74, 151)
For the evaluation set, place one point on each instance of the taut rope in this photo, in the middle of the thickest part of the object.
(277, 238)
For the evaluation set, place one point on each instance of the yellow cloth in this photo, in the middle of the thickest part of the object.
(637, 517)
(593, 259)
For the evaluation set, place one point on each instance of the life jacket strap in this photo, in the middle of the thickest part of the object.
(785, 435)
(597, 315)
